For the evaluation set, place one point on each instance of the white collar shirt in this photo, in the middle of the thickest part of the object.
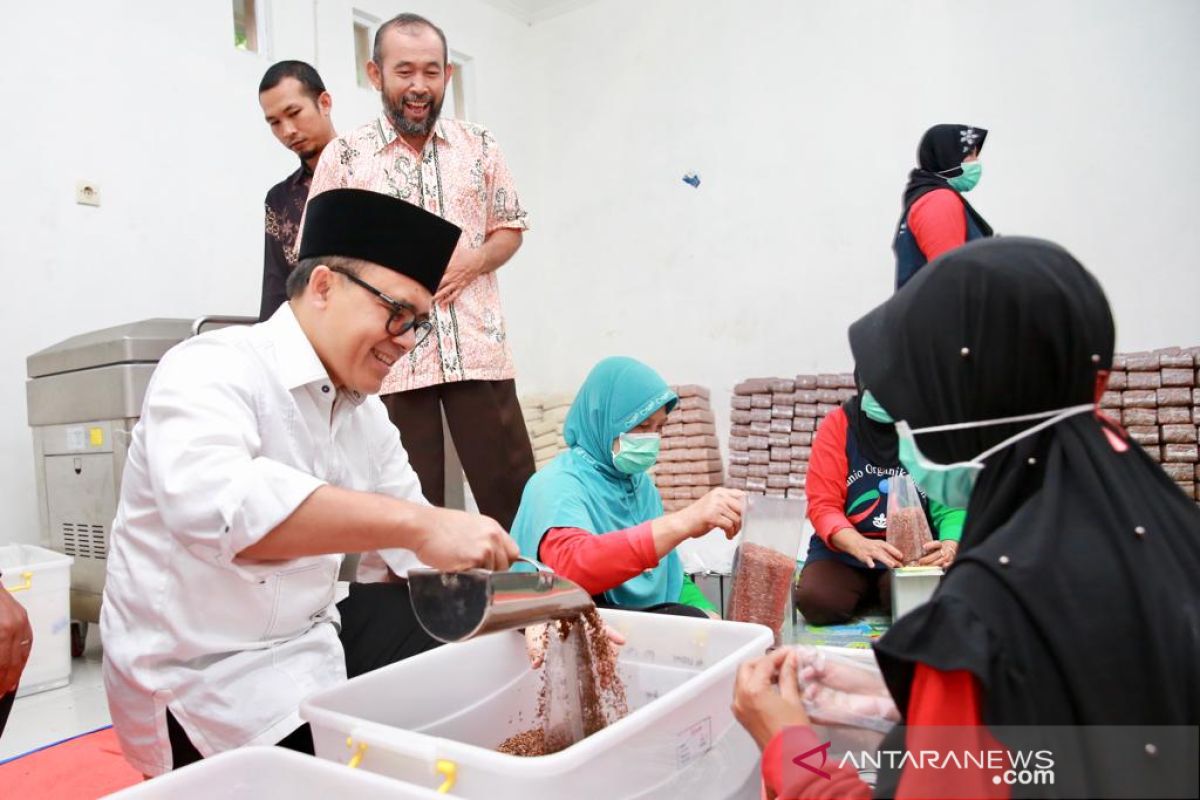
(238, 428)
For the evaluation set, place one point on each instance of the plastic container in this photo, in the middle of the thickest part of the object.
(764, 567)
(40, 580)
(912, 586)
(260, 773)
(441, 714)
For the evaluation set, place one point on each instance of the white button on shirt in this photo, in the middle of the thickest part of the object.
(239, 427)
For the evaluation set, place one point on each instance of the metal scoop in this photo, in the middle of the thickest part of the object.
(456, 606)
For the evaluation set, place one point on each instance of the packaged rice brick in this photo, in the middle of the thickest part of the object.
(797, 481)
(1174, 397)
(1185, 453)
(779, 468)
(1139, 416)
(694, 454)
(739, 457)
(800, 439)
(1139, 399)
(846, 394)
(1141, 362)
(702, 440)
(824, 409)
(781, 425)
(827, 381)
(541, 428)
(671, 456)
(1143, 380)
(777, 481)
(753, 386)
(758, 442)
(805, 410)
(1118, 380)
(1195, 414)
(738, 417)
(1154, 452)
(548, 440)
(801, 453)
(736, 483)
(671, 443)
(760, 456)
(737, 443)
(1180, 471)
(673, 430)
(799, 467)
(692, 404)
(1174, 415)
(756, 484)
(708, 479)
(830, 396)
(699, 429)
(675, 417)
(1179, 434)
(1181, 360)
(740, 401)
(804, 424)
(666, 481)
(1144, 434)
(806, 397)
(699, 415)
(781, 385)
(760, 428)
(1178, 377)
(1195, 396)
(806, 382)
(1198, 472)
(739, 430)
(1110, 400)
(783, 398)
(1119, 361)
(711, 464)
(692, 390)
(782, 411)
(781, 493)
(1188, 489)
(760, 415)
(760, 401)
(1167, 351)
(781, 454)
(779, 440)
(846, 381)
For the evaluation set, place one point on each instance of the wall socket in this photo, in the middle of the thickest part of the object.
(87, 193)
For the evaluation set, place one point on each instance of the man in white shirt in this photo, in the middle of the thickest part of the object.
(260, 458)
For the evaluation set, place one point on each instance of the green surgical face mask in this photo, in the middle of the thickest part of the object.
(971, 170)
(636, 452)
(873, 410)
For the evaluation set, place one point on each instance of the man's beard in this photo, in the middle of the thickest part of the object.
(408, 127)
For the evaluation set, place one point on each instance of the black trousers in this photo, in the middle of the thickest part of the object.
(6, 704)
(485, 421)
(378, 628)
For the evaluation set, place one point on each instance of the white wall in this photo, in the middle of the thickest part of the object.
(151, 101)
(803, 119)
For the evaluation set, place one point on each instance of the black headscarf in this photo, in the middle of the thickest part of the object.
(876, 440)
(940, 156)
(1075, 599)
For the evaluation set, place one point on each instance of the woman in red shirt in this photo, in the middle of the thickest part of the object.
(937, 218)
(1070, 617)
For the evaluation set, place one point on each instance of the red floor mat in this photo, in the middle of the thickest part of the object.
(83, 768)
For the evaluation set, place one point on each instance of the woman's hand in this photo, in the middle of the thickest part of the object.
(868, 551)
(766, 695)
(939, 553)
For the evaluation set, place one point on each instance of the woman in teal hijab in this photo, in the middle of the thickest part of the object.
(594, 516)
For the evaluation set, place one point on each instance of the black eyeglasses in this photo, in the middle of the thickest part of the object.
(403, 317)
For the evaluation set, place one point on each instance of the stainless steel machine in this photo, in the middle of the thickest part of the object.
(83, 397)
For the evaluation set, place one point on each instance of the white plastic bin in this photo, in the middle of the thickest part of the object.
(40, 580)
(263, 773)
(911, 587)
(445, 711)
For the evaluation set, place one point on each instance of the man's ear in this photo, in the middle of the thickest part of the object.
(374, 75)
(320, 286)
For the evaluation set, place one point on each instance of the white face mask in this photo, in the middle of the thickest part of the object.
(952, 484)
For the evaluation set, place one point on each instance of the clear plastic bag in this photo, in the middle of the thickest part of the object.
(765, 562)
(845, 691)
(907, 528)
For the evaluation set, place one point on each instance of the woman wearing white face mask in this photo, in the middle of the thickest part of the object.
(1074, 600)
(595, 517)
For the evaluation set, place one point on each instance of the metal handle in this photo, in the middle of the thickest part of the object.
(200, 322)
(28, 584)
(539, 566)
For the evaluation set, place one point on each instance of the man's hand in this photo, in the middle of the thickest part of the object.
(766, 696)
(16, 640)
(939, 553)
(868, 551)
(454, 541)
(467, 264)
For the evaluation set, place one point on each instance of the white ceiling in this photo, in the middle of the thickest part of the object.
(531, 11)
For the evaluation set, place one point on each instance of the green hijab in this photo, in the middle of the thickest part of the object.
(581, 488)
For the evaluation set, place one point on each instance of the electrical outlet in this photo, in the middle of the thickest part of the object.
(87, 194)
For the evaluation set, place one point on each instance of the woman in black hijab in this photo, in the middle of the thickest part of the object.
(1075, 598)
(936, 216)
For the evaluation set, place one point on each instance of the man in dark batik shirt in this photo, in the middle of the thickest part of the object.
(297, 107)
